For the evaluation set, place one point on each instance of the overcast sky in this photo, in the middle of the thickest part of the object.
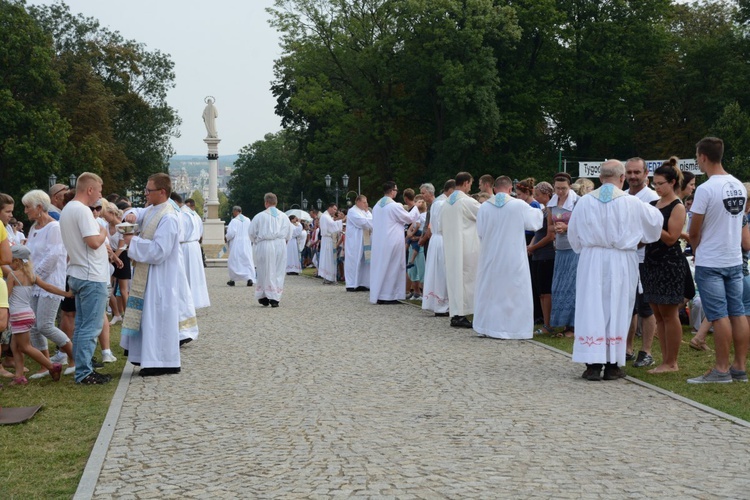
(223, 48)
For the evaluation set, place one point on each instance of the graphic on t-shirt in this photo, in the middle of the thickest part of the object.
(733, 198)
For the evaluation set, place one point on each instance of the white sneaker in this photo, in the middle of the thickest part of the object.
(70, 371)
(108, 358)
(39, 375)
(60, 357)
(115, 320)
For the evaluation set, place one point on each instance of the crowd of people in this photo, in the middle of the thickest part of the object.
(601, 263)
(84, 252)
(594, 265)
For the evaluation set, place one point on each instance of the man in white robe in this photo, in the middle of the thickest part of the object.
(504, 301)
(240, 264)
(293, 263)
(358, 234)
(270, 232)
(331, 225)
(152, 332)
(605, 229)
(461, 248)
(191, 253)
(388, 261)
(435, 291)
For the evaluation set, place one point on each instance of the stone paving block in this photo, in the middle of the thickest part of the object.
(330, 396)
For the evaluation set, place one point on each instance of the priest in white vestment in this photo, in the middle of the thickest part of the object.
(605, 229)
(240, 263)
(435, 289)
(504, 301)
(191, 254)
(388, 261)
(293, 262)
(270, 233)
(151, 331)
(358, 246)
(331, 225)
(461, 249)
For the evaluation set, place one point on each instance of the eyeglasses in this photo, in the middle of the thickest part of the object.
(149, 191)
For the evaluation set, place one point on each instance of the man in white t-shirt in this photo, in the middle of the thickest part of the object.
(88, 273)
(636, 173)
(716, 237)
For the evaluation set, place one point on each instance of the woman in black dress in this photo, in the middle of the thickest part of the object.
(664, 277)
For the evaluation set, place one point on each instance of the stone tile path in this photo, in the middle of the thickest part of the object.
(329, 396)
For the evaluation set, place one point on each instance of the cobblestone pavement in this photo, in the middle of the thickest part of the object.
(329, 396)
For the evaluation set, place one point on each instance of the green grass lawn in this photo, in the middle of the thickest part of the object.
(729, 398)
(45, 456)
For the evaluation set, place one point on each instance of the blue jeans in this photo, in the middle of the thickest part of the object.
(91, 299)
(721, 291)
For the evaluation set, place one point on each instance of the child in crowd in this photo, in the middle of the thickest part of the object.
(20, 285)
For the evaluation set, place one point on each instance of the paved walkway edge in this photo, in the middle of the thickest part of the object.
(90, 477)
(670, 394)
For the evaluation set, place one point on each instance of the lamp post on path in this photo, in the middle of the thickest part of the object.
(329, 189)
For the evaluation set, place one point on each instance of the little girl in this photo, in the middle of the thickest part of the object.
(20, 285)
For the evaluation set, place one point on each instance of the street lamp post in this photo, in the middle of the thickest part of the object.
(52, 180)
(344, 182)
(72, 180)
(319, 202)
(304, 204)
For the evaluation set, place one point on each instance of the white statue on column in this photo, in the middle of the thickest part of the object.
(210, 114)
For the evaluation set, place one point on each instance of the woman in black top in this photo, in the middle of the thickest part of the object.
(664, 265)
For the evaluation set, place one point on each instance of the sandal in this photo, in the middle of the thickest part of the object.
(568, 333)
(544, 329)
(19, 381)
(699, 345)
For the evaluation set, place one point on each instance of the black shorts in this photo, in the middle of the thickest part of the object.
(68, 305)
(541, 274)
(123, 273)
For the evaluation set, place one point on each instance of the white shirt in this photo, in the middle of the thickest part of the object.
(646, 195)
(76, 223)
(721, 200)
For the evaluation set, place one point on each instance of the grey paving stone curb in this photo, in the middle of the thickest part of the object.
(94, 464)
(694, 404)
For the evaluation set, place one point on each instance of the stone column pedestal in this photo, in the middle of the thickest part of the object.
(213, 227)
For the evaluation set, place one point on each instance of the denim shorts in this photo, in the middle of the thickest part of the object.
(721, 290)
(746, 294)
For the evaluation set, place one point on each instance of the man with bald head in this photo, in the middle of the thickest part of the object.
(605, 229)
(57, 197)
(88, 273)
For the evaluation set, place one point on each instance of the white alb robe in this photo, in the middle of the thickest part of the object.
(503, 300)
(293, 264)
(388, 256)
(162, 324)
(435, 291)
(605, 229)
(356, 270)
(461, 249)
(240, 264)
(329, 232)
(191, 254)
(270, 232)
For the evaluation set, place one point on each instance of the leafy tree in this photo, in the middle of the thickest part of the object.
(125, 125)
(33, 135)
(734, 129)
(198, 197)
(265, 166)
